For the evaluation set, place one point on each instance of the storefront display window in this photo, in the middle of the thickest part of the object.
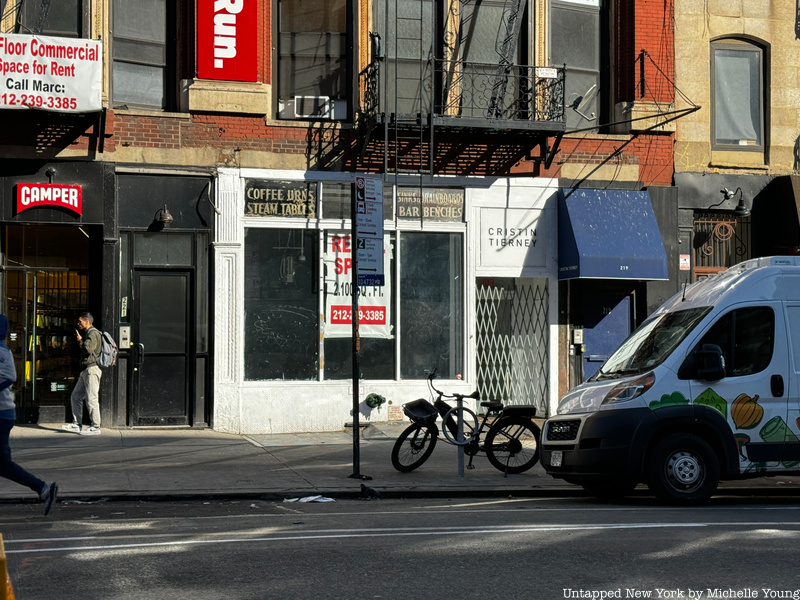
(281, 304)
(431, 304)
(298, 297)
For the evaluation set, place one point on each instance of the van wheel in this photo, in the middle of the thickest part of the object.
(683, 469)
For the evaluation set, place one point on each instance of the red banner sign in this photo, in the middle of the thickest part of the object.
(227, 46)
(35, 195)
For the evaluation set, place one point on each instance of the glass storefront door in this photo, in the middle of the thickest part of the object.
(46, 288)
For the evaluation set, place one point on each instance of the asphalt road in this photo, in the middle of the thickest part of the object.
(410, 549)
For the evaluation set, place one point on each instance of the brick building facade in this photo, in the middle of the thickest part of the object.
(581, 98)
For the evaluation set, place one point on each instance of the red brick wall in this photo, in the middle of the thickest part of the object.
(645, 50)
(652, 152)
(209, 130)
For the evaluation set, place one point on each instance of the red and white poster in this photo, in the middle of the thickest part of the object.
(51, 73)
(227, 47)
(374, 302)
(49, 195)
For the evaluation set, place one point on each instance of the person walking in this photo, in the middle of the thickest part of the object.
(48, 492)
(88, 385)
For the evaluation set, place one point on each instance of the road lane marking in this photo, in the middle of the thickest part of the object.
(395, 533)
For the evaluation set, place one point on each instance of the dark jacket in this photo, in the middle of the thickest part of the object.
(90, 347)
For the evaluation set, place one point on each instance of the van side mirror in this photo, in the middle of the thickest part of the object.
(710, 363)
(705, 363)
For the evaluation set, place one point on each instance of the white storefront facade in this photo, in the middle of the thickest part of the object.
(470, 268)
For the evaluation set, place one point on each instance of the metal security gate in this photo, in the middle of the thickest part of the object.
(512, 342)
(721, 240)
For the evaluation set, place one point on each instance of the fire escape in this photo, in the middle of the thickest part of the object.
(420, 91)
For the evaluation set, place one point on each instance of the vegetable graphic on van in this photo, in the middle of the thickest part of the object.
(673, 399)
(776, 430)
(746, 412)
(714, 400)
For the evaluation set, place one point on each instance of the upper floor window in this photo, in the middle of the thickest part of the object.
(481, 54)
(63, 18)
(144, 71)
(737, 75)
(312, 59)
(579, 40)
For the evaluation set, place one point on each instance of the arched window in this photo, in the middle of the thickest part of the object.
(738, 114)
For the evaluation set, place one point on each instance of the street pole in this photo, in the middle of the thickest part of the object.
(356, 343)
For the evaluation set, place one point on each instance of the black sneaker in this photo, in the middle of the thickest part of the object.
(49, 497)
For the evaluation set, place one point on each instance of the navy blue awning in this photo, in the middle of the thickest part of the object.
(608, 234)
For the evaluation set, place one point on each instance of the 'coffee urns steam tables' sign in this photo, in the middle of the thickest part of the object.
(266, 198)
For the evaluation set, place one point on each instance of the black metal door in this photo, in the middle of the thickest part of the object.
(163, 347)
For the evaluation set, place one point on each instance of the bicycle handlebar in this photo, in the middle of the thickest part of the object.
(475, 395)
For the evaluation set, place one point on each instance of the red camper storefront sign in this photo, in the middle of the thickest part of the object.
(37, 195)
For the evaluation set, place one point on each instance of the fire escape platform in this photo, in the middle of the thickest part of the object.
(459, 124)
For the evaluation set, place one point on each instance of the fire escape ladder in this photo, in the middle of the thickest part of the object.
(407, 147)
(507, 50)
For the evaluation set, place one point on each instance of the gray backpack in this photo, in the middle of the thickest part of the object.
(108, 351)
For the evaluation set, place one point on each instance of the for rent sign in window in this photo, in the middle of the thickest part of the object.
(374, 301)
(50, 73)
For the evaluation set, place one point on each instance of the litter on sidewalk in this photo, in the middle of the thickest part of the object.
(310, 499)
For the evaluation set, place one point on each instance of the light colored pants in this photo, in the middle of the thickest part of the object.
(88, 387)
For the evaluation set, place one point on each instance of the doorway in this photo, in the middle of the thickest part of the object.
(607, 320)
(46, 288)
(162, 344)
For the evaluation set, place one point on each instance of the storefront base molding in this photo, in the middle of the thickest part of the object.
(316, 408)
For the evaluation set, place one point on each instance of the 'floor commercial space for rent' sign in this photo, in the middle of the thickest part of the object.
(50, 73)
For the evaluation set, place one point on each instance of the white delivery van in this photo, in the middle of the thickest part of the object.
(707, 388)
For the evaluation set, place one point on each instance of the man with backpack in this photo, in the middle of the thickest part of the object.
(88, 385)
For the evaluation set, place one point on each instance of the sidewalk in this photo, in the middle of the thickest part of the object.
(185, 463)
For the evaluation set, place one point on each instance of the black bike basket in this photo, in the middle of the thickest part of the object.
(420, 411)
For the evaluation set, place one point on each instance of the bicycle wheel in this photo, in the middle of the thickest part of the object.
(512, 444)
(414, 446)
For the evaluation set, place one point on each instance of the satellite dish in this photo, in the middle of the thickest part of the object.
(582, 103)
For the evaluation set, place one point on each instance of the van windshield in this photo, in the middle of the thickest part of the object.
(651, 343)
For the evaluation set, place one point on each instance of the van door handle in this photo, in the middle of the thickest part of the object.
(776, 386)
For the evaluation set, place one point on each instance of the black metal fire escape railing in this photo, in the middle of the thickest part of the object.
(529, 96)
(533, 97)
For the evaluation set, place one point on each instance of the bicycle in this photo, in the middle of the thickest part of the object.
(511, 443)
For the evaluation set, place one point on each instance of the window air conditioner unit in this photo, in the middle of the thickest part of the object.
(313, 107)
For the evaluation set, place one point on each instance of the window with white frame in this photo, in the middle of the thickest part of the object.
(410, 325)
(737, 75)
